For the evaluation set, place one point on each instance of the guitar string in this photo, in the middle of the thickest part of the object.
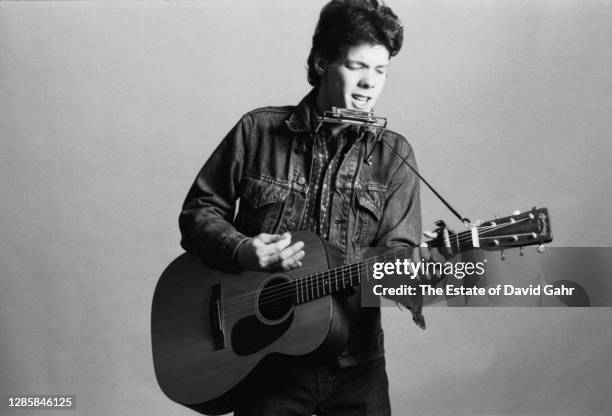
(308, 279)
(317, 281)
(314, 289)
(310, 287)
(460, 240)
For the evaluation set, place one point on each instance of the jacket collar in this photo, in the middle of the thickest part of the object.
(304, 115)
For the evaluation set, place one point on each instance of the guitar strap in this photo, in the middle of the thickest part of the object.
(461, 218)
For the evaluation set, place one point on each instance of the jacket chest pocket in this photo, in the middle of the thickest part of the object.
(368, 208)
(261, 206)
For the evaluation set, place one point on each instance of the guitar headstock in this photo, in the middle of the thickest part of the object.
(521, 229)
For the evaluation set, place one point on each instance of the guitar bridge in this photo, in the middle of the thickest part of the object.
(215, 313)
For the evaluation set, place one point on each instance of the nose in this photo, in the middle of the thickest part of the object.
(367, 80)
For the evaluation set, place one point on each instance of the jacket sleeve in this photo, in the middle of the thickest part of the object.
(208, 211)
(401, 217)
(401, 224)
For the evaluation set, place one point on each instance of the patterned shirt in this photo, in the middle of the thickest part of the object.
(328, 152)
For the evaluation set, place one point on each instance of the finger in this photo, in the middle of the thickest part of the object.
(420, 253)
(293, 261)
(268, 238)
(278, 256)
(283, 242)
(274, 247)
(291, 250)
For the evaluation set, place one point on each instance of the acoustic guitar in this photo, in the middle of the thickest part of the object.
(211, 328)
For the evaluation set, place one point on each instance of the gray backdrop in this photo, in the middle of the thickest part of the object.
(107, 111)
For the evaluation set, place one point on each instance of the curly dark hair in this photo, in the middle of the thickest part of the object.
(345, 23)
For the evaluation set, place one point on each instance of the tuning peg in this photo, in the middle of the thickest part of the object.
(541, 248)
(521, 253)
(501, 253)
(517, 212)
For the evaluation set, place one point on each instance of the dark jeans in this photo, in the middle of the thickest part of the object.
(303, 386)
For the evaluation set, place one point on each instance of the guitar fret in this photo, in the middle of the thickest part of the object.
(312, 286)
(323, 282)
(336, 278)
(297, 292)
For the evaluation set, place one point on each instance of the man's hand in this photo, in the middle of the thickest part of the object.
(269, 252)
(430, 255)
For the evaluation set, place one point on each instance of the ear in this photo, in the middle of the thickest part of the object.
(320, 64)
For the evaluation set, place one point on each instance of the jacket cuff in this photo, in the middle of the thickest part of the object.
(230, 243)
(235, 251)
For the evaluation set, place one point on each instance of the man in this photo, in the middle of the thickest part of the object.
(288, 177)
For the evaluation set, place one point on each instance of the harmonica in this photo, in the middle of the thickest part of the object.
(348, 116)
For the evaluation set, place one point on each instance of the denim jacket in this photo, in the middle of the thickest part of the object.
(264, 162)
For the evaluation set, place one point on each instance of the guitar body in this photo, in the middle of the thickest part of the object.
(210, 329)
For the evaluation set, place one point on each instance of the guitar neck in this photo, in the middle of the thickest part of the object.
(517, 230)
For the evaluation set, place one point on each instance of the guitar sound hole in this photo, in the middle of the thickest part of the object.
(276, 299)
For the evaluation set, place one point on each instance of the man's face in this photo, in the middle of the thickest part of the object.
(355, 79)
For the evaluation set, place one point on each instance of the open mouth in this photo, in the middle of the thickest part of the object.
(360, 100)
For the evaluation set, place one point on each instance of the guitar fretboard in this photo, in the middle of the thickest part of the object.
(317, 285)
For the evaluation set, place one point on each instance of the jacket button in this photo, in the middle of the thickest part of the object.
(301, 180)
